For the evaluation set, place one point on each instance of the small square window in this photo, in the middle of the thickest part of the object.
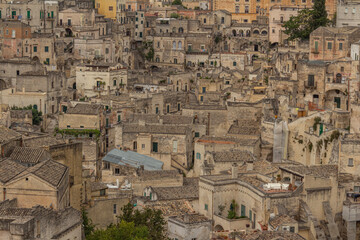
(46, 49)
(117, 171)
(142, 146)
(111, 8)
(102, 192)
(206, 207)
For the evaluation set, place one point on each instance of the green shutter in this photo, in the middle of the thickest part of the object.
(316, 46)
(52, 14)
(28, 14)
(40, 14)
(13, 14)
(243, 210)
(0, 13)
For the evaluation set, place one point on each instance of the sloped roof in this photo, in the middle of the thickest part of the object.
(50, 171)
(87, 109)
(10, 169)
(134, 159)
(279, 220)
(7, 134)
(233, 156)
(27, 155)
(190, 190)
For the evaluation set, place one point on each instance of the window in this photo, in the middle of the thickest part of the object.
(350, 162)
(174, 45)
(156, 110)
(250, 215)
(69, 22)
(28, 14)
(197, 134)
(155, 147)
(111, 8)
(340, 46)
(167, 108)
(114, 209)
(273, 30)
(198, 155)
(179, 106)
(356, 189)
(222, 20)
(175, 60)
(316, 46)
(201, 98)
(114, 83)
(243, 210)
(346, 10)
(237, 9)
(175, 146)
(203, 89)
(311, 80)
(204, 20)
(246, 9)
(342, 69)
(180, 45)
(13, 34)
(257, 9)
(106, 165)
(46, 49)
(81, 126)
(329, 45)
(117, 171)
(17, 72)
(107, 50)
(119, 118)
(47, 61)
(206, 207)
(353, 10)
(102, 192)
(234, 64)
(142, 146)
(292, 229)
(135, 145)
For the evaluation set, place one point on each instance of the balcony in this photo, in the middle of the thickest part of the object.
(98, 89)
(232, 224)
(310, 86)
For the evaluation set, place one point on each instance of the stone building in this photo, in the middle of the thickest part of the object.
(38, 222)
(329, 44)
(346, 14)
(34, 179)
(100, 79)
(189, 226)
(9, 139)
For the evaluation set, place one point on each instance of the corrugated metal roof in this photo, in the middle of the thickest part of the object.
(133, 159)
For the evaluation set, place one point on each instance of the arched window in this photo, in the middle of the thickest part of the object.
(241, 33)
(338, 78)
(180, 45)
(222, 20)
(174, 45)
(234, 33)
(248, 33)
(181, 30)
(264, 32)
(256, 32)
(157, 59)
(175, 60)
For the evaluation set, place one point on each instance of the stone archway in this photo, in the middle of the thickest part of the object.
(2, 84)
(218, 228)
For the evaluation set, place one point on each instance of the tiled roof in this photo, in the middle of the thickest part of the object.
(86, 109)
(96, 186)
(228, 140)
(7, 134)
(158, 174)
(190, 218)
(245, 128)
(133, 159)
(27, 155)
(279, 220)
(50, 171)
(10, 169)
(171, 208)
(264, 167)
(156, 129)
(318, 171)
(233, 156)
(269, 235)
(190, 190)
(42, 141)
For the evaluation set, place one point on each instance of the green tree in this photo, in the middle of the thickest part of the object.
(122, 231)
(36, 115)
(176, 2)
(89, 227)
(174, 15)
(150, 218)
(307, 20)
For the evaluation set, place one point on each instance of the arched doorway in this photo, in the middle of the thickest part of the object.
(2, 84)
(234, 32)
(74, 85)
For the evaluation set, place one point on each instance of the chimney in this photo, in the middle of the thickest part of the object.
(249, 166)
(234, 171)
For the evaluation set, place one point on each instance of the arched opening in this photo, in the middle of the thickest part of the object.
(174, 45)
(74, 85)
(338, 78)
(241, 33)
(248, 33)
(35, 59)
(264, 32)
(68, 32)
(218, 228)
(180, 45)
(234, 32)
(181, 30)
(2, 84)
(256, 32)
